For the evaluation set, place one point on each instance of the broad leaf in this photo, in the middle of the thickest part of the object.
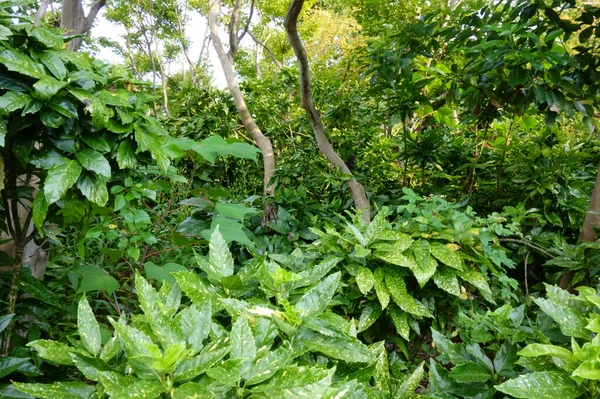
(60, 178)
(94, 161)
(542, 385)
(95, 279)
(365, 279)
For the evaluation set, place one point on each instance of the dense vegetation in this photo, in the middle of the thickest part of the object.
(401, 204)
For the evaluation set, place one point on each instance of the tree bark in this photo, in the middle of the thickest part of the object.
(75, 22)
(361, 203)
(591, 222)
(226, 60)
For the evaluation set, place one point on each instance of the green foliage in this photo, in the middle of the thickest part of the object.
(174, 349)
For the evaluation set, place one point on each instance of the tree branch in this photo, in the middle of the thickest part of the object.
(233, 24)
(240, 37)
(226, 60)
(361, 203)
(275, 60)
(89, 20)
(530, 245)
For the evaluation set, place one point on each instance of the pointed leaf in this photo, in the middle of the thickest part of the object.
(88, 327)
(542, 385)
(365, 279)
(94, 161)
(60, 178)
(403, 299)
(316, 299)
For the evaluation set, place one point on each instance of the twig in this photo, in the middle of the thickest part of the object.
(530, 245)
(240, 37)
(271, 54)
(526, 271)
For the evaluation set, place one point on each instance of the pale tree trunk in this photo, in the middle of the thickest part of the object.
(42, 9)
(226, 59)
(75, 22)
(361, 203)
(591, 222)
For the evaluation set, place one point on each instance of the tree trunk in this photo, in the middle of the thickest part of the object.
(226, 59)
(361, 203)
(75, 22)
(591, 222)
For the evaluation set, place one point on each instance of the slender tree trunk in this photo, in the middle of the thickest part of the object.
(226, 60)
(361, 203)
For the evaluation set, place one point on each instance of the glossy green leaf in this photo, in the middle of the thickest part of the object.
(266, 366)
(410, 383)
(476, 279)
(383, 294)
(235, 211)
(365, 279)
(193, 286)
(47, 87)
(63, 107)
(135, 342)
(446, 255)
(126, 155)
(220, 258)
(341, 347)
(445, 278)
(12, 101)
(368, 316)
(93, 187)
(19, 62)
(5, 321)
(297, 382)
(403, 299)
(154, 144)
(396, 258)
(533, 350)
(52, 61)
(195, 323)
(317, 299)
(470, 372)
(94, 278)
(88, 327)
(209, 356)
(40, 210)
(94, 161)
(53, 351)
(10, 364)
(400, 320)
(193, 390)
(572, 322)
(588, 369)
(57, 390)
(60, 178)
(242, 341)
(542, 385)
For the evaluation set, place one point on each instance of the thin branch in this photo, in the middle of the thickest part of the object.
(275, 60)
(526, 272)
(233, 25)
(530, 245)
(240, 37)
(361, 203)
(89, 20)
